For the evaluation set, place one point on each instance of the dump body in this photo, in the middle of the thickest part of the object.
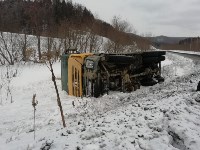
(96, 74)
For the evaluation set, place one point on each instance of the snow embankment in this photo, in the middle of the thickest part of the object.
(162, 117)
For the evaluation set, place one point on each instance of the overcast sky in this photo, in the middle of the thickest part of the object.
(159, 17)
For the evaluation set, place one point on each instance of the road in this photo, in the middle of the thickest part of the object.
(194, 57)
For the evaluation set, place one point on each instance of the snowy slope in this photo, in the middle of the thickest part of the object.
(163, 117)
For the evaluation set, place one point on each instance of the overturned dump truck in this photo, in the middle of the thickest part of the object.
(89, 74)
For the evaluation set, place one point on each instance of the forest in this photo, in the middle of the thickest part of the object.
(187, 44)
(72, 24)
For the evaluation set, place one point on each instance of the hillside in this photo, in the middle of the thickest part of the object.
(56, 19)
(176, 43)
(159, 40)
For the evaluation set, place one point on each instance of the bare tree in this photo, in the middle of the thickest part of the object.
(39, 46)
(53, 46)
(122, 25)
(34, 104)
(7, 73)
(48, 57)
(9, 50)
(95, 41)
(120, 41)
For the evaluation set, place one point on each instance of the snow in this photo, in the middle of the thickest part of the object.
(167, 62)
(162, 117)
(187, 52)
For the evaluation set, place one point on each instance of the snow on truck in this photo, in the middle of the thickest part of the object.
(90, 74)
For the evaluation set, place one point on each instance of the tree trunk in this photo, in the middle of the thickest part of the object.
(57, 93)
(39, 48)
(24, 48)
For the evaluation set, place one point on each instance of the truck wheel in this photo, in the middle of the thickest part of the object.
(96, 90)
(159, 79)
(97, 87)
(148, 82)
(136, 86)
(198, 86)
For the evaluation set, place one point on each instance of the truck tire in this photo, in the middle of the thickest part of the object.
(136, 86)
(148, 82)
(97, 86)
(198, 86)
(159, 79)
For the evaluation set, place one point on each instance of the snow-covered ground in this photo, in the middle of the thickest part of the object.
(162, 117)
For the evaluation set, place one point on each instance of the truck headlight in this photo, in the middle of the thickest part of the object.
(89, 64)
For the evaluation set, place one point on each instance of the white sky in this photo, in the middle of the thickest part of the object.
(159, 17)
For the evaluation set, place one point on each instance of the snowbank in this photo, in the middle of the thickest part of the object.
(162, 117)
